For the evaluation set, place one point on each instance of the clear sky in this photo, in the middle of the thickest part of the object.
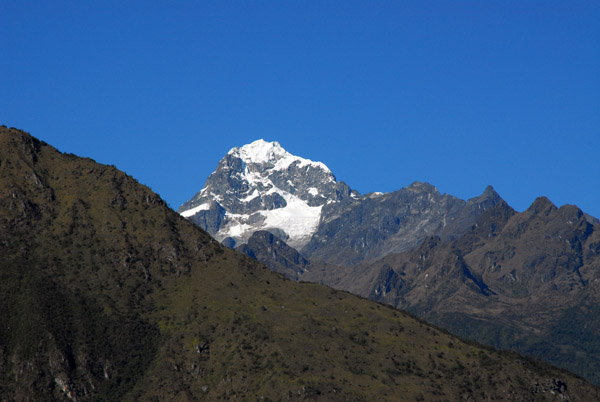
(460, 94)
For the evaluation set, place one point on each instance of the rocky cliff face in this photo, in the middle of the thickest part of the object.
(376, 225)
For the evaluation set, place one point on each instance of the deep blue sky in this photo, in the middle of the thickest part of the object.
(460, 94)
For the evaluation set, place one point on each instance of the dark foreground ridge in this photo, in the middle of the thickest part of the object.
(107, 294)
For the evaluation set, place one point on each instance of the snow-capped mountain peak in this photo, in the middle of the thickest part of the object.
(273, 155)
(261, 186)
(260, 151)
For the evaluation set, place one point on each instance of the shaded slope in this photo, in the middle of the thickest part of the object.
(107, 294)
(525, 281)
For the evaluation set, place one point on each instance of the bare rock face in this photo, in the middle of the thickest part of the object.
(380, 224)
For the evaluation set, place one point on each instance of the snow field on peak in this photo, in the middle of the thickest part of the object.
(297, 219)
(237, 228)
(195, 210)
(252, 196)
(261, 151)
(289, 159)
(313, 191)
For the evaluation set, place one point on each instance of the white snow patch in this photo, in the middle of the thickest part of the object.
(216, 197)
(236, 229)
(273, 190)
(297, 219)
(261, 151)
(289, 159)
(254, 178)
(313, 191)
(236, 225)
(195, 210)
(252, 196)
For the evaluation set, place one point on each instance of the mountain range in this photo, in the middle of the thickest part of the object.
(520, 281)
(260, 186)
(108, 294)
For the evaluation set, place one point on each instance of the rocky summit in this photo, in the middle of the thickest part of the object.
(261, 186)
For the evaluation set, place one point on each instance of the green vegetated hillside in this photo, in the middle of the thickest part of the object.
(108, 294)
